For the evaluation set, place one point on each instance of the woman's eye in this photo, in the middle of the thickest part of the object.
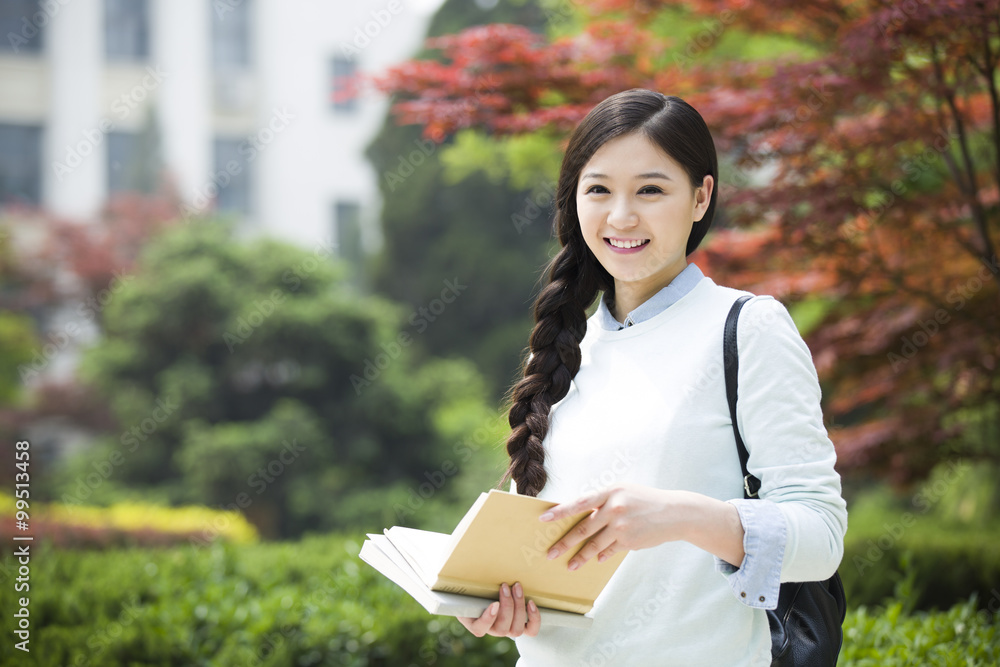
(651, 190)
(599, 189)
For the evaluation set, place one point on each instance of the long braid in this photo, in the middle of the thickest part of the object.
(560, 323)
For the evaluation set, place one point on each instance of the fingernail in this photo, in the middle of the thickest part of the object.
(531, 605)
(518, 593)
(546, 517)
(506, 591)
(601, 558)
(573, 565)
(552, 554)
(493, 608)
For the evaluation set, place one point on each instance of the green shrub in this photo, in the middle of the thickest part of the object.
(314, 603)
(963, 636)
(888, 541)
(304, 603)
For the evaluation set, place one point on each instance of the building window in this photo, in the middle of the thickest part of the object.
(347, 230)
(344, 96)
(231, 35)
(134, 161)
(20, 164)
(231, 176)
(123, 154)
(126, 29)
(20, 28)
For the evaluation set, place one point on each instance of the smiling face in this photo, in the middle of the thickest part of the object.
(636, 206)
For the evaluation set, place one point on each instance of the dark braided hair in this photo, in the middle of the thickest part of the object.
(575, 276)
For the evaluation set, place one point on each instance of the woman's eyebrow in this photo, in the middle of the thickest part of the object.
(650, 174)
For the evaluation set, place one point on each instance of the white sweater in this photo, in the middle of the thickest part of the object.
(648, 406)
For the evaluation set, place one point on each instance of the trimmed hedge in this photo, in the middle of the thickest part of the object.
(314, 603)
(944, 560)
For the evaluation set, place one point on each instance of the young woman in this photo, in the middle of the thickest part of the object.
(625, 414)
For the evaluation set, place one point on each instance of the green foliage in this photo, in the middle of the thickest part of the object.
(522, 161)
(253, 376)
(445, 218)
(490, 240)
(943, 556)
(18, 342)
(304, 603)
(313, 602)
(963, 636)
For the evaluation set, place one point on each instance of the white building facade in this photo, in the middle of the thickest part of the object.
(242, 103)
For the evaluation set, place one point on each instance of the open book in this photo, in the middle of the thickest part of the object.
(500, 539)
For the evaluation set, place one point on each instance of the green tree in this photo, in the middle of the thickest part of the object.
(251, 375)
(489, 232)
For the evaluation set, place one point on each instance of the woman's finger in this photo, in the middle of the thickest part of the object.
(501, 625)
(607, 553)
(582, 504)
(480, 626)
(520, 616)
(534, 620)
(600, 543)
(583, 530)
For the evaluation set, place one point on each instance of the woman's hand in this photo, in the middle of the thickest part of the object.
(509, 617)
(630, 517)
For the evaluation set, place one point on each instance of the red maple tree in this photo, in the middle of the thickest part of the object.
(867, 168)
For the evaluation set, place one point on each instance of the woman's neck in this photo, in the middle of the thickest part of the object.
(630, 295)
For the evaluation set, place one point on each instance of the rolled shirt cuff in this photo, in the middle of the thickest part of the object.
(757, 580)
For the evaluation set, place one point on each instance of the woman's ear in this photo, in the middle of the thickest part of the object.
(703, 197)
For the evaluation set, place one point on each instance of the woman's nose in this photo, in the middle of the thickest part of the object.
(622, 215)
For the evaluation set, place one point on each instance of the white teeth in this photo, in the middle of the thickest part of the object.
(625, 244)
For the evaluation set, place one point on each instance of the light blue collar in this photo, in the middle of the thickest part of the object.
(683, 283)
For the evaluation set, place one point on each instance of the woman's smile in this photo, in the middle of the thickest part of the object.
(626, 246)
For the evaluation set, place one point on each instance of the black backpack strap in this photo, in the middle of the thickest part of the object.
(730, 356)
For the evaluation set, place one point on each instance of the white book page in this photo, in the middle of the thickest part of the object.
(424, 550)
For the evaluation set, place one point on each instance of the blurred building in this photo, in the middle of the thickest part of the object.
(242, 103)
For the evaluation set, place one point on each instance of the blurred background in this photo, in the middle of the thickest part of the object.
(266, 272)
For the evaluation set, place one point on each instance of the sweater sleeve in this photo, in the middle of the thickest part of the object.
(781, 421)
